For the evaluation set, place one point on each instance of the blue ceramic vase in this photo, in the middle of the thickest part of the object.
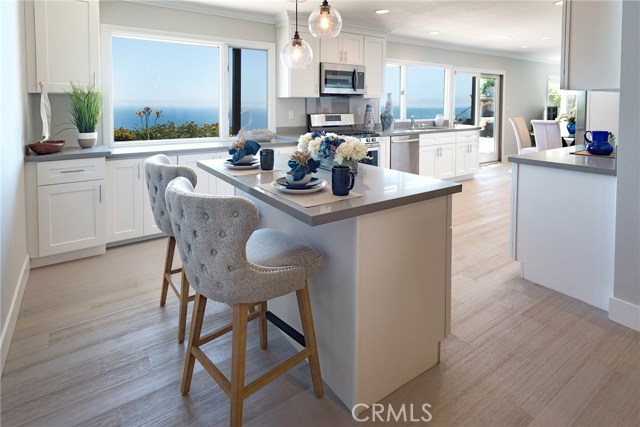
(386, 117)
(571, 128)
(598, 144)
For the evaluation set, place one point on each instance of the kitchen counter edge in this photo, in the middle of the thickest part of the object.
(561, 158)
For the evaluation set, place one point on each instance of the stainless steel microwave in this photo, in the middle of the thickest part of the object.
(341, 79)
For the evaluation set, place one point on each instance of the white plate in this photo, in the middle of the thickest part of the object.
(231, 166)
(313, 189)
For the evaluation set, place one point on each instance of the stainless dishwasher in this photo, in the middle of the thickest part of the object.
(405, 153)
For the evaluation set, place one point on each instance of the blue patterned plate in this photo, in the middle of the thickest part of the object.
(283, 181)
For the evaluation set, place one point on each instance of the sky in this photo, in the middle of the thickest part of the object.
(162, 74)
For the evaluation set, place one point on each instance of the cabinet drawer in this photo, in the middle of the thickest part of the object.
(467, 136)
(436, 138)
(64, 171)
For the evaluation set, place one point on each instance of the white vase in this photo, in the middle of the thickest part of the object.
(87, 139)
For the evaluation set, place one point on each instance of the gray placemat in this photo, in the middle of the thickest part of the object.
(311, 199)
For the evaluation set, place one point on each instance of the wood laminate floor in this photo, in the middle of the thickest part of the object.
(92, 347)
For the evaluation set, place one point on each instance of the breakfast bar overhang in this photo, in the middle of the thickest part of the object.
(382, 303)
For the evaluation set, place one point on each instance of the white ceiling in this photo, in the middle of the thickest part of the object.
(491, 26)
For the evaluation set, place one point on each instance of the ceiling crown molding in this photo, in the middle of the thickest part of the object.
(188, 6)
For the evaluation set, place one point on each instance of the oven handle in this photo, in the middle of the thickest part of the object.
(374, 145)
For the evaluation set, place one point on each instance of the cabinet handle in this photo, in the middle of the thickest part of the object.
(138, 171)
(94, 79)
(72, 171)
(100, 193)
(346, 56)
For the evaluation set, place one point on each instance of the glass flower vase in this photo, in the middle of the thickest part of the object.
(353, 164)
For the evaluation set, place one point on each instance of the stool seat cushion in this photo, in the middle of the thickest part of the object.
(272, 248)
(213, 235)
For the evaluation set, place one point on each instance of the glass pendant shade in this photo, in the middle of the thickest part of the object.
(325, 21)
(297, 53)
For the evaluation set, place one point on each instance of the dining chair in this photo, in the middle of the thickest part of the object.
(547, 134)
(227, 260)
(523, 139)
(159, 172)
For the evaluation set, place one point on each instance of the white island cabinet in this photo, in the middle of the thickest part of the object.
(563, 222)
(382, 302)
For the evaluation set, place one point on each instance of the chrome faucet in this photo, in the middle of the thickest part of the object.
(413, 121)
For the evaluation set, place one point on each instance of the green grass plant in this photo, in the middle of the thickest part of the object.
(85, 107)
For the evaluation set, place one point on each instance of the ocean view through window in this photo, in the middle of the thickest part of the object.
(164, 88)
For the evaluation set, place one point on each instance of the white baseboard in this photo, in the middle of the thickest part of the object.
(14, 309)
(625, 313)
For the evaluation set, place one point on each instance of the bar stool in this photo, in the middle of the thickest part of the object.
(227, 261)
(159, 172)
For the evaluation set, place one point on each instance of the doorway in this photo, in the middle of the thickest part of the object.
(477, 100)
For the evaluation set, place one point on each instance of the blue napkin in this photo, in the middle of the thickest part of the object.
(299, 171)
(250, 148)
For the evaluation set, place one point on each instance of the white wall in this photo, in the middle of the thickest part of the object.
(13, 113)
(625, 306)
(525, 84)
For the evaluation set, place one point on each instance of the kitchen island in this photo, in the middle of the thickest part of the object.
(563, 222)
(382, 302)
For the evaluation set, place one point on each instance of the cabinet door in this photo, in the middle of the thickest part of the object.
(462, 151)
(124, 195)
(70, 217)
(428, 160)
(471, 160)
(446, 161)
(62, 27)
(330, 50)
(352, 48)
(191, 160)
(218, 186)
(150, 227)
(374, 62)
(298, 83)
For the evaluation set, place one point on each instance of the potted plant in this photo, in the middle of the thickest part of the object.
(85, 108)
(571, 121)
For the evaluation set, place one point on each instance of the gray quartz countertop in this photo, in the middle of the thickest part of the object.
(381, 189)
(69, 153)
(562, 158)
(432, 129)
(147, 150)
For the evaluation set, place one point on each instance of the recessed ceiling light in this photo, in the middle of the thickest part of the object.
(544, 38)
(381, 11)
(433, 33)
(524, 46)
(558, 3)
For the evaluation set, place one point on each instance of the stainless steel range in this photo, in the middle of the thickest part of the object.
(344, 124)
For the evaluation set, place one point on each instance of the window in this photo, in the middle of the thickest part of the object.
(417, 90)
(167, 88)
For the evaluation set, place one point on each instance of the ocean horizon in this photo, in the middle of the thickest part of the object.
(127, 118)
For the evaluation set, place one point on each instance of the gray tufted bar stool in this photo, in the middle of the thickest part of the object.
(159, 172)
(227, 261)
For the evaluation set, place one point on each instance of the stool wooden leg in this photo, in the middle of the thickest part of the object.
(197, 317)
(184, 303)
(238, 360)
(168, 263)
(304, 305)
(263, 325)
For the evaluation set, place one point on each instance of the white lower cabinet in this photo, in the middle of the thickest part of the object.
(466, 158)
(129, 214)
(71, 204)
(437, 161)
(207, 183)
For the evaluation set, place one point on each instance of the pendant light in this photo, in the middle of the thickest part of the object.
(297, 53)
(325, 21)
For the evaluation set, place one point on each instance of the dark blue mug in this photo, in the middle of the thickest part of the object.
(266, 159)
(599, 142)
(342, 180)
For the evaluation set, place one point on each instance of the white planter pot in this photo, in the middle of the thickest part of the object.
(87, 140)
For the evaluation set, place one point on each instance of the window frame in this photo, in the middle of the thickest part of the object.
(403, 84)
(223, 44)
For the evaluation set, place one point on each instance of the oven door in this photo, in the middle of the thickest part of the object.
(373, 151)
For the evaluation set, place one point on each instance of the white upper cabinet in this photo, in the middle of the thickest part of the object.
(591, 45)
(298, 83)
(375, 49)
(346, 48)
(63, 43)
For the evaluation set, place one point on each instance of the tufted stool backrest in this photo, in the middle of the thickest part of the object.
(159, 172)
(212, 234)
